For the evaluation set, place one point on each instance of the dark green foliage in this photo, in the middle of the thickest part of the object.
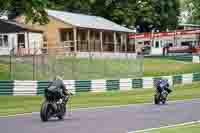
(193, 7)
(33, 9)
(166, 14)
(147, 14)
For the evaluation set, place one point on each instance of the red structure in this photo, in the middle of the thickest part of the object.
(180, 41)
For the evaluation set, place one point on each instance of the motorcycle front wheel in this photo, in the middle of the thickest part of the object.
(45, 112)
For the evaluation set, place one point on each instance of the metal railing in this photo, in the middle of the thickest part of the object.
(45, 63)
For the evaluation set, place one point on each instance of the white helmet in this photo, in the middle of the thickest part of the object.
(58, 77)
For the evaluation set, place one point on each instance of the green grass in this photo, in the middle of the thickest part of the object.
(190, 128)
(160, 67)
(73, 69)
(24, 104)
(98, 69)
(4, 71)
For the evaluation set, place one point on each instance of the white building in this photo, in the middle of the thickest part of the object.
(18, 38)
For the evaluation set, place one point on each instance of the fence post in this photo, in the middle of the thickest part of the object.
(104, 65)
(11, 64)
(34, 62)
(141, 58)
(73, 66)
(11, 54)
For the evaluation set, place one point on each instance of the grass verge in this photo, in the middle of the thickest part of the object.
(98, 69)
(162, 67)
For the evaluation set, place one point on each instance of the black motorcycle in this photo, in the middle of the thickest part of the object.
(161, 96)
(52, 107)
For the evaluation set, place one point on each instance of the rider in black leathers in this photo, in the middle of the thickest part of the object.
(58, 85)
(166, 86)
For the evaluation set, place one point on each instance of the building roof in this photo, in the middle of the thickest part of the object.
(189, 25)
(87, 21)
(7, 26)
(150, 35)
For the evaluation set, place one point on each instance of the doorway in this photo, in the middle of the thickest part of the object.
(20, 41)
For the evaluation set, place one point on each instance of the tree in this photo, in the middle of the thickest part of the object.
(129, 12)
(193, 9)
(145, 14)
(124, 12)
(166, 14)
(33, 9)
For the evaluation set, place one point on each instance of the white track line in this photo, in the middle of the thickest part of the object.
(171, 126)
(23, 114)
(104, 107)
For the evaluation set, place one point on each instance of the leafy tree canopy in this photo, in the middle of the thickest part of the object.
(143, 14)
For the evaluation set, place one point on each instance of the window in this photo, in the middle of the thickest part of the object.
(146, 42)
(83, 36)
(44, 38)
(157, 44)
(140, 43)
(3, 40)
(96, 35)
(186, 43)
(71, 35)
(21, 40)
(63, 35)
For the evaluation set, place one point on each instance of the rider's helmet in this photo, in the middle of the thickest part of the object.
(59, 77)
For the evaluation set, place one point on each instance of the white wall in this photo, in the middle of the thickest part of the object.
(35, 40)
(156, 51)
(4, 51)
(12, 42)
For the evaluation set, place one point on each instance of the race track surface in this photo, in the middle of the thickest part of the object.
(107, 120)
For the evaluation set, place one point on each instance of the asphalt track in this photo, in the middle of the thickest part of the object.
(107, 120)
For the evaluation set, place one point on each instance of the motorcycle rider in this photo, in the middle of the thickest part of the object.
(58, 85)
(165, 83)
